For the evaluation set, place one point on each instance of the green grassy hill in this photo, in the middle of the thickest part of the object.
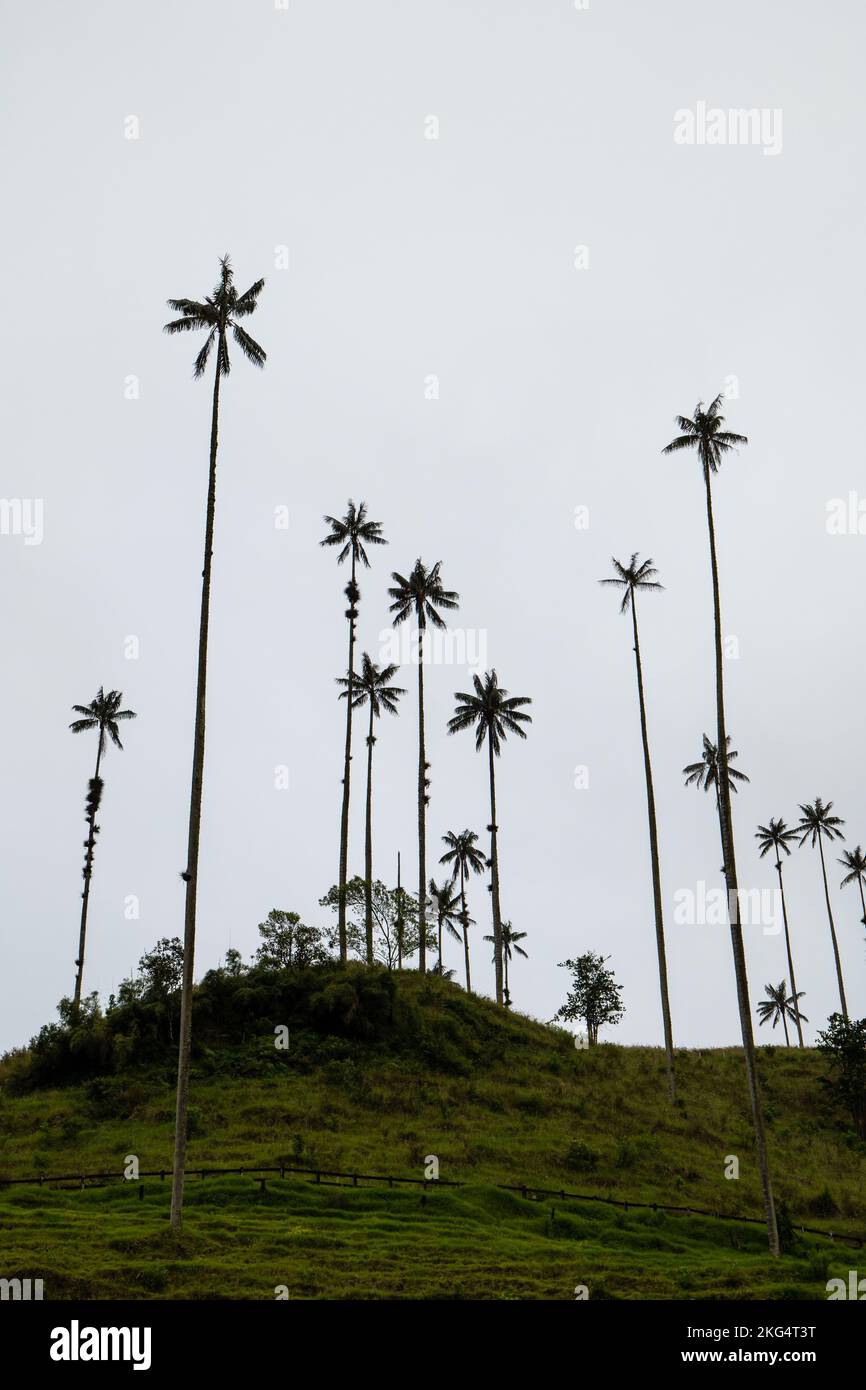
(382, 1071)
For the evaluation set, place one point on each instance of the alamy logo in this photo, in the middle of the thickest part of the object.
(20, 1289)
(856, 1288)
(454, 646)
(713, 126)
(22, 516)
(715, 907)
(76, 1343)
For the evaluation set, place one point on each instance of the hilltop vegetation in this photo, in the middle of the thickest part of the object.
(383, 1070)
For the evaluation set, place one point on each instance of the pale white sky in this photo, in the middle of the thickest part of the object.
(410, 257)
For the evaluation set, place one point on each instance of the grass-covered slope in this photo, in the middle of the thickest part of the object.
(382, 1071)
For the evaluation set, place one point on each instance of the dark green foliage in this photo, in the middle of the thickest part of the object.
(581, 1158)
(844, 1043)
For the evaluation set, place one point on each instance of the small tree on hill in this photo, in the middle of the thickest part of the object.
(594, 997)
(395, 921)
(288, 943)
(843, 1042)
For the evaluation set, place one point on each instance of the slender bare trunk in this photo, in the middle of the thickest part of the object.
(505, 959)
(833, 931)
(464, 922)
(347, 769)
(862, 901)
(422, 814)
(85, 896)
(733, 901)
(790, 955)
(656, 870)
(368, 845)
(185, 1030)
(399, 917)
(494, 871)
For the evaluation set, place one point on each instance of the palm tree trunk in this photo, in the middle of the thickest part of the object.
(862, 900)
(785, 1026)
(656, 871)
(733, 901)
(347, 765)
(368, 845)
(790, 956)
(399, 923)
(440, 945)
(85, 896)
(505, 968)
(422, 815)
(494, 870)
(833, 932)
(185, 1030)
(464, 921)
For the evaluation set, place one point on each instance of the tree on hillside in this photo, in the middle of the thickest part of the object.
(777, 836)
(704, 434)
(444, 900)
(494, 714)
(218, 314)
(633, 578)
(595, 999)
(352, 533)
(421, 595)
(510, 938)
(843, 1043)
(103, 714)
(464, 859)
(395, 921)
(817, 825)
(779, 1004)
(288, 943)
(371, 687)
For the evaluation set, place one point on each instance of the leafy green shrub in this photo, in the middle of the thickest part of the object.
(581, 1158)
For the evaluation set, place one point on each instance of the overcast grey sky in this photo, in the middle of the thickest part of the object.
(559, 372)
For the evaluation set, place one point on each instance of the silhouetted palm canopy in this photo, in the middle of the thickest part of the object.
(632, 576)
(510, 938)
(103, 713)
(446, 903)
(492, 710)
(421, 594)
(353, 533)
(705, 774)
(705, 434)
(779, 1004)
(817, 821)
(854, 860)
(462, 852)
(372, 684)
(776, 836)
(218, 313)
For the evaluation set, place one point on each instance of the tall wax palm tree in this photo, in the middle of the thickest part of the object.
(218, 315)
(421, 595)
(510, 938)
(494, 714)
(854, 860)
(464, 859)
(780, 1005)
(705, 774)
(817, 825)
(777, 836)
(705, 434)
(445, 903)
(633, 578)
(104, 714)
(352, 533)
(371, 688)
